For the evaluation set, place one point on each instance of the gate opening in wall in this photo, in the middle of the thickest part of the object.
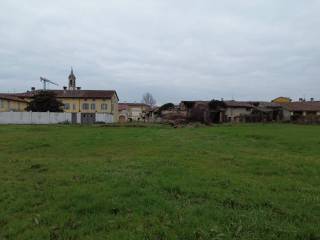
(88, 118)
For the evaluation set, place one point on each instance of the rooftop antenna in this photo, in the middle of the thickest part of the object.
(45, 81)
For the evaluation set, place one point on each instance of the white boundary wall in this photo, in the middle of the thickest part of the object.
(47, 117)
(104, 117)
(34, 117)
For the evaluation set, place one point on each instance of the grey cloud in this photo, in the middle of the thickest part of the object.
(174, 49)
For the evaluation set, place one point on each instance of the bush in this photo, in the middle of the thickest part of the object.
(166, 106)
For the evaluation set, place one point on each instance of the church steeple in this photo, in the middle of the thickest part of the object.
(72, 81)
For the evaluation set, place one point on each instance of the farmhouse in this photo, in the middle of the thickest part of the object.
(85, 106)
(87, 101)
(268, 112)
(167, 113)
(304, 110)
(133, 111)
(234, 111)
(73, 98)
(216, 111)
(10, 103)
(196, 110)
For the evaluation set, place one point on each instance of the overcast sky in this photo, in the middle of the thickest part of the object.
(177, 50)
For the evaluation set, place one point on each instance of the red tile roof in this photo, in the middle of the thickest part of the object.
(136, 104)
(124, 106)
(237, 104)
(265, 104)
(108, 94)
(303, 106)
(196, 101)
(11, 97)
(229, 103)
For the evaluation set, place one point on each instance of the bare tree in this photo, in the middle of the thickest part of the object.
(148, 99)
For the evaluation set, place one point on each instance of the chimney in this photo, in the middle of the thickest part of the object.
(78, 88)
(33, 89)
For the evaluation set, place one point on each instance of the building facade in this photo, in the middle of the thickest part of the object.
(10, 103)
(132, 112)
(235, 111)
(216, 111)
(307, 111)
(73, 98)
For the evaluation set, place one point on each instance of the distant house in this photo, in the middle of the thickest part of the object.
(268, 112)
(216, 111)
(10, 103)
(229, 111)
(133, 111)
(281, 100)
(123, 112)
(236, 111)
(188, 105)
(304, 110)
(196, 111)
(167, 113)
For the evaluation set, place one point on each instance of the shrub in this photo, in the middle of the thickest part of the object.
(166, 106)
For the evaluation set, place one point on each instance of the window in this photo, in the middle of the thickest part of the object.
(85, 106)
(311, 113)
(93, 106)
(67, 106)
(104, 106)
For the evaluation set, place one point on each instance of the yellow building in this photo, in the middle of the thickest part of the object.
(10, 103)
(281, 100)
(84, 101)
(74, 99)
(89, 101)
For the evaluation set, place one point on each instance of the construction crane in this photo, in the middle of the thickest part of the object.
(45, 81)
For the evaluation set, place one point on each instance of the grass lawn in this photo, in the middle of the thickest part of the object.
(226, 182)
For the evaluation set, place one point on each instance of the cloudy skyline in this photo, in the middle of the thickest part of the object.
(177, 50)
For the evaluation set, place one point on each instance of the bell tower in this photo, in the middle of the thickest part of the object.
(72, 81)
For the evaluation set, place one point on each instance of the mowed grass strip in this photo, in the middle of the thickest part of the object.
(225, 182)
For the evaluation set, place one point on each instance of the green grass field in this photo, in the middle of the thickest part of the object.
(225, 182)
